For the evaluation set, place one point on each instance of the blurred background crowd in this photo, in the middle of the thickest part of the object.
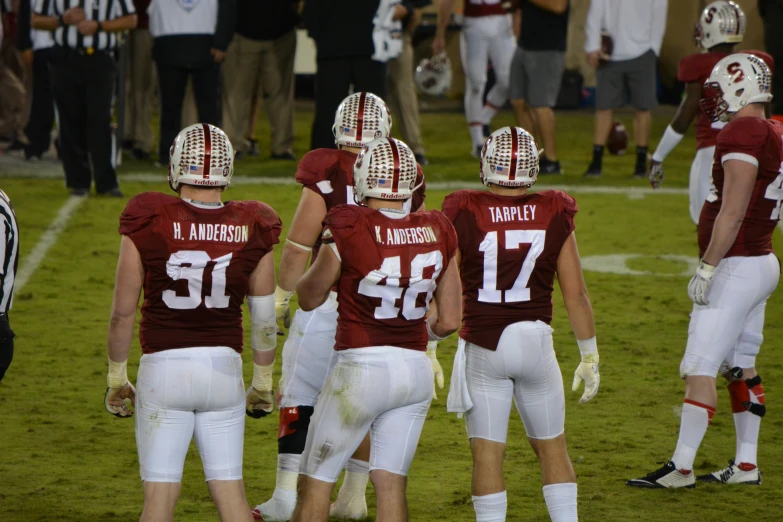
(91, 80)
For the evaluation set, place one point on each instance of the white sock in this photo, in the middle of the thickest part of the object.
(693, 425)
(747, 426)
(287, 475)
(490, 508)
(561, 502)
(357, 473)
(487, 113)
(476, 135)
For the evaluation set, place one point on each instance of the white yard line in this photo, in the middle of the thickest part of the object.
(32, 260)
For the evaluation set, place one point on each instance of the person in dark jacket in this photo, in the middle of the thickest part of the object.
(771, 12)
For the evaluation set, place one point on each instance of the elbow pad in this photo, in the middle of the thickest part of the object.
(264, 327)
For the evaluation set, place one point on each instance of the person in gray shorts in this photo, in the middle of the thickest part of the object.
(636, 28)
(537, 70)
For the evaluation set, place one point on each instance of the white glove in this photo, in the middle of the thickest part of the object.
(437, 370)
(282, 309)
(700, 284)
(587, 371)
(655, 174)
(260, 397)
(120, 393)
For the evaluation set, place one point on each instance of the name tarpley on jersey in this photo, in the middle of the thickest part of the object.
(405, 236)
(211, 232)
(518, 213)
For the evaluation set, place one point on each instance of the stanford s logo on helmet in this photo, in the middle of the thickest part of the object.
(720, 22)
(201, 155)
(509, 158)
(361, 118)
(433, 75)
(735, 82)
(385, 169)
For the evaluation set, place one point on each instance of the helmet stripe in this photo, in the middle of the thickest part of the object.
(207, 150)
(396, 159)
(360, 117)
(512, 175)
(737, 11)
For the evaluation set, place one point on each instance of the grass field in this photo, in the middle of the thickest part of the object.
(63, 457)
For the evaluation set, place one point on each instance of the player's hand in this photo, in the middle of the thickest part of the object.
(700, 283)
(87, 27)
(282, 307)
(594, 58)
(655, 174)
(438, 45)
(259, 403)
(218, 55)
(27, 57)
(437, 370)
(73, 16)
(587, 371)
(117, 400)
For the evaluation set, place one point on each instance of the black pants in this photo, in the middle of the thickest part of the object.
(172, 82)
(333, 81)
(6, 344)
(772, 15)
(39, 127)
(83, 89)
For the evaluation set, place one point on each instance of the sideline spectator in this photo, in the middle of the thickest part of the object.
(636, 28)
(189, 41)
(403, 100)
(83, 78)
(9, 256)
(139, 136)
(537, 71)
(12, 75)
(771, 12)
(260, 61)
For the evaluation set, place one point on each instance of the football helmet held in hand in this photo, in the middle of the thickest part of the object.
(433, 75)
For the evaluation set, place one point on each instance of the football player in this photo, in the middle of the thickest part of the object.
(486, 35)
(511, 246)
(387, 264)
(196, 258)
(720, 27)
(326, 176)
(737, 273)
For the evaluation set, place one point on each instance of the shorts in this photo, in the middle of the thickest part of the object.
(634, 78)
(536, 77)
(524, 367)
(185, 392)
(383, 389)
(700, 180)
(729, 331)
(308, 354)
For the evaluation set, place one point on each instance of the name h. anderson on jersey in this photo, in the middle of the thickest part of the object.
(405, 236)
(211, 232)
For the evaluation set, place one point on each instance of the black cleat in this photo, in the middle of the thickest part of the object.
(667, 476)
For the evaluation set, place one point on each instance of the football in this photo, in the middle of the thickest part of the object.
(617, 142)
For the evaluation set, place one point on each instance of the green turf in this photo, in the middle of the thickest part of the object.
(63, 457)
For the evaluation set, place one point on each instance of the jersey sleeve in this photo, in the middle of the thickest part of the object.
(743, 139)
(269, 224)
(139, 213)
(566, 208)
(339, 225)
(694, 68)
(420, 195)
(454, 212)
(314, 169)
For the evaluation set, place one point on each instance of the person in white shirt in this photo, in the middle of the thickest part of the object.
(624, 70)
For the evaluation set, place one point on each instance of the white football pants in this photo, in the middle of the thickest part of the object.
(700, 181)
(185, 392)
(524, 367)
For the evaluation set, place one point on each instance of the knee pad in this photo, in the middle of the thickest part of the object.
(741, 399)
(292, 435)
(693, 364)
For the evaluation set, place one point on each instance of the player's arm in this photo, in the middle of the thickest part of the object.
(127, 289)
(314, 287)
(259, 400)
(675, 132)
(445, 8)
(304, 232)
(448, 302)
(580, 314)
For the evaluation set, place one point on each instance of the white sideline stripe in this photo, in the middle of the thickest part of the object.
(48, 238)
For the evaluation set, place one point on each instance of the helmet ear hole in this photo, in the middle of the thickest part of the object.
(738, 93)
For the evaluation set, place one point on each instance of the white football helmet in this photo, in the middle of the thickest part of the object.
(385, 169)
(735, 82)
(720, 22)
(361, 118)
(201, 155)
(433, 75)
(509, 158)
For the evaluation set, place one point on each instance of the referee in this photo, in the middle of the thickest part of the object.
(83, 73)
(9, 255)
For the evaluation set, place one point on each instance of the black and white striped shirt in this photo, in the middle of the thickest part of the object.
(100, 10)
(9, 252)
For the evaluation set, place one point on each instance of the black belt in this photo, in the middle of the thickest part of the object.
(87, 51)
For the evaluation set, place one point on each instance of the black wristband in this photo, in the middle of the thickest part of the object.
(60, 21)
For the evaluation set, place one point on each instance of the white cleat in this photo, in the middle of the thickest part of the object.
(668, 476)
(274, 510)
(349, 506)
(733, 474)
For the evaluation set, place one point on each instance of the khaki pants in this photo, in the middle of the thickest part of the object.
(402, 97)
(13, 95)
(265, 68)
(141, 90)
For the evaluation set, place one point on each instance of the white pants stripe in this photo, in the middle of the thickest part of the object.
(700, 181)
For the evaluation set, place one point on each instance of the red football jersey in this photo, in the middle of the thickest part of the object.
(758, 141)
(475, 8)
(390, 268)
(697, 68)
(197, 263)
(329, 173)
(509, 247)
